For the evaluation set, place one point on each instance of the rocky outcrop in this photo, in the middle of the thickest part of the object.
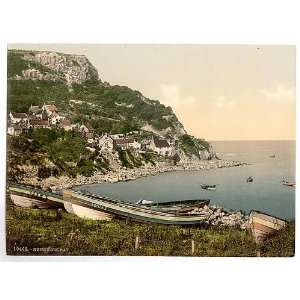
(49, 65)
(220, 217)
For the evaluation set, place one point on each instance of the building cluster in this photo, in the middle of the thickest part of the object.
(46, 116)
(49, 117)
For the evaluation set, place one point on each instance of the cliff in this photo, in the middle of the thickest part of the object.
(49, 65)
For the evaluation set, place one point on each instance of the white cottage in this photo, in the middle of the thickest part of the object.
(126, 143)
(18, 117)
(160, 146)
(105, 143)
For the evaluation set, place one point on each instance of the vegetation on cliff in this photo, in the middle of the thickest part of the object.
(111, 109)
(53, 152)
(191, 145)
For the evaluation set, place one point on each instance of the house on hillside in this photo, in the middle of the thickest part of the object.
(39, 123)
(37, 113)
(18, 117)
(126, 143)
(160, 146)
(33, 109)
(55, 118)
(14, 129)
(87, 130)
(117, 136)
(49, 109)
(105, 143)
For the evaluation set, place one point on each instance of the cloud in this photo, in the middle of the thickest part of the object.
(172, 96)
(223, 102)
(281, 93)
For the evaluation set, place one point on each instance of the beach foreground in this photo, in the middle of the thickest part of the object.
(43, 232)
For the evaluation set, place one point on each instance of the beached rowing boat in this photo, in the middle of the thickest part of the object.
(99, 207)
(132, 211)
(28, 197)
(263, 225)
(88, 213)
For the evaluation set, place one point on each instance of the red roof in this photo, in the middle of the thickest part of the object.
(124, 141)
(19, 115)
(160, 143)
(39, 122)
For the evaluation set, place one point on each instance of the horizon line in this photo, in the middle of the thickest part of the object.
(254, 140)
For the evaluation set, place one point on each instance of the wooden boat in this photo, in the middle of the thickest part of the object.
(29, 197)
(208, 187)
(139, 213)
(28, 202)
(145, 202)
(250, 179)
(263, 225)
(88, 213)
(180, 207)
(288, 183)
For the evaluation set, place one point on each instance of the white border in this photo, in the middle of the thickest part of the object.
(210, 22)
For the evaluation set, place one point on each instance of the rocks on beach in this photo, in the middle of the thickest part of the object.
(124, 174)
(218, 216)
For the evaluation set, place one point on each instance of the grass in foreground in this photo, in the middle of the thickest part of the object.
(38, 232)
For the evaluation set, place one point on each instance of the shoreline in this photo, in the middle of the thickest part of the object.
(124, 174)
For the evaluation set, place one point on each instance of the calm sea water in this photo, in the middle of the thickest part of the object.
(266, 193)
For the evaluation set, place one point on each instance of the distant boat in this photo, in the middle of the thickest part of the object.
(272, 156)
(145, 202)
(288, 183)
(208, 187)
(250, 179)
(263, 225)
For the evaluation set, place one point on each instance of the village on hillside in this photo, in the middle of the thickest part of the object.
(49, 117)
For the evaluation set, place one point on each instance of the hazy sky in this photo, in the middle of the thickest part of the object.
(219, 92)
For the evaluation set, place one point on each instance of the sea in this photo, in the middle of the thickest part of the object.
(266, 193)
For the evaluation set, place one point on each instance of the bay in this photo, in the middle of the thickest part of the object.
(265, 193)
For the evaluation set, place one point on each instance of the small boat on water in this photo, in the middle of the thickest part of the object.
(208, 187)
(145, 202)
(288, 183)
(263, 225)
(272, 156)
(250, 179)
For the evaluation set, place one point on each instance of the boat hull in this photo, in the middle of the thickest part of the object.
(263, 225)
(33, 198)
(88, 213)
(27, 202)
(129, 211)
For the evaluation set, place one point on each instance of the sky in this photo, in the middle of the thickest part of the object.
(218, 92)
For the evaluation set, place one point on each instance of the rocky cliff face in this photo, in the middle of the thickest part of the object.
(54, 66)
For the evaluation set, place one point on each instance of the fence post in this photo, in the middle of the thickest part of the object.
(193, 247)
(137, 242)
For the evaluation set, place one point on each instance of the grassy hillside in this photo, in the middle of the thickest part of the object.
(28, 229)
(53, 152)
